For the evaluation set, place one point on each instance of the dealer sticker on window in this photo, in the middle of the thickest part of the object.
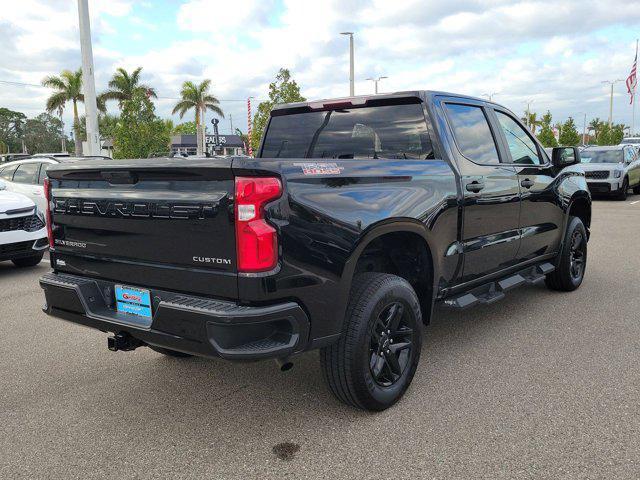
(316, 168)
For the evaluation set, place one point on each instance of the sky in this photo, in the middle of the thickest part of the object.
(553, 55)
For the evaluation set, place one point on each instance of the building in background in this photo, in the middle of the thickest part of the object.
(215, 144)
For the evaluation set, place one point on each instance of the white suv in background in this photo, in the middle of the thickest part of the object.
(23, 234)
(27, 175)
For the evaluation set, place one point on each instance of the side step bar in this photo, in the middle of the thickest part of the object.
(493, 291)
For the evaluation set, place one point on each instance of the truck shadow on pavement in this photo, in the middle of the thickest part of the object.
(151, 392)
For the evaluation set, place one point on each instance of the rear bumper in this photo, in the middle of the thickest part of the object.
(195, 325)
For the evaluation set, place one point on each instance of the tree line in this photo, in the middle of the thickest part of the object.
(597, 131)
(136, 130)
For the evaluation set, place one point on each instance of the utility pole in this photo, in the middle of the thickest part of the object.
(584, 130)
(63, 147)
(375, 83)
(490, 95)
(231, 123)
(351, 64)
(611, 83)
(88, 80)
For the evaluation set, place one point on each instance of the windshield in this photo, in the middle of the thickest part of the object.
(387, 131)
(602, 156)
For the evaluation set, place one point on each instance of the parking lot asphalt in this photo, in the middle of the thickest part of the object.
(539, 385)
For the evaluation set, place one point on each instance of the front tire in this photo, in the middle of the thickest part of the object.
(572, 263)
(31, 261)
(624, 190)
(636, 189)
(373, 363)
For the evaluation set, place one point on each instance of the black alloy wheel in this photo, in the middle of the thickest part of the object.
(391, 345)
(577, 255)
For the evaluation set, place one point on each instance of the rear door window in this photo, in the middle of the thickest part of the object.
(7, 173)
(629, 155)
(27, 173)
(472, 133)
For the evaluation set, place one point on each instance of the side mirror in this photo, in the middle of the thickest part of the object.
(564, 156)
(3, 186)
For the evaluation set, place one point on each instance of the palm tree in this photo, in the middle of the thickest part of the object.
(530, 119)
(197, 97)
(123, 85)
(596, 125)
(68, 87)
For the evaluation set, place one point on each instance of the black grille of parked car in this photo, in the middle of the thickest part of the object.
(597, 174)
(16, 248)
(28, 224)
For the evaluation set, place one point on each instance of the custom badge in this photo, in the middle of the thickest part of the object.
(320, 168)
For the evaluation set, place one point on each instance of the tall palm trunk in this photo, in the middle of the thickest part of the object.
(76, 129)
(199, 149)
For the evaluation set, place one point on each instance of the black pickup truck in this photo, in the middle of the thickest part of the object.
(357, 216)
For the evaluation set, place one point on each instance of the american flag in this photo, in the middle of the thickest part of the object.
(632, 80)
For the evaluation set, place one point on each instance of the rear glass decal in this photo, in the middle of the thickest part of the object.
(320, 168)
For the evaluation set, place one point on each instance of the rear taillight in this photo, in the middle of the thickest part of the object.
(256, 240)
(47, 196)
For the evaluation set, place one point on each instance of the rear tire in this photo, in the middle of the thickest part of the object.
(373, 363)
(624, 190)
(572, 262)
(169, 353)
(31, 261)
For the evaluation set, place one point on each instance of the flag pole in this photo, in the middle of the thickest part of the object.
(635, 87)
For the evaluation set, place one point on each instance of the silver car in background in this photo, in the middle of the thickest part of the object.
(612, 170)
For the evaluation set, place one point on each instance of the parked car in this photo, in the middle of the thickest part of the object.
(52, 155)
(630, 141)
(10, 157)
(356, 218)
(23, 235)
(612, 170)
(27, 175)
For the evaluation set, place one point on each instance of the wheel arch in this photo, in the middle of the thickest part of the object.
(397, 241)
(580, 206)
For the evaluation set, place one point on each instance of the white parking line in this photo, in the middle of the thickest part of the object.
(633, 203)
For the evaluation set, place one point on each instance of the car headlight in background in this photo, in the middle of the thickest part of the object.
(40, 215)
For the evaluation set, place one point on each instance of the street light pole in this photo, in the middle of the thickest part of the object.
(611, 83)
(528, 112)
(490, 95)
(375, 83)
(88, 80)
(351, 64)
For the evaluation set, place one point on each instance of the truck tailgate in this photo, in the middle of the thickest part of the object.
(150, 222)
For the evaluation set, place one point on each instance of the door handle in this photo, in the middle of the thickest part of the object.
(475, 186)
(526, 183)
